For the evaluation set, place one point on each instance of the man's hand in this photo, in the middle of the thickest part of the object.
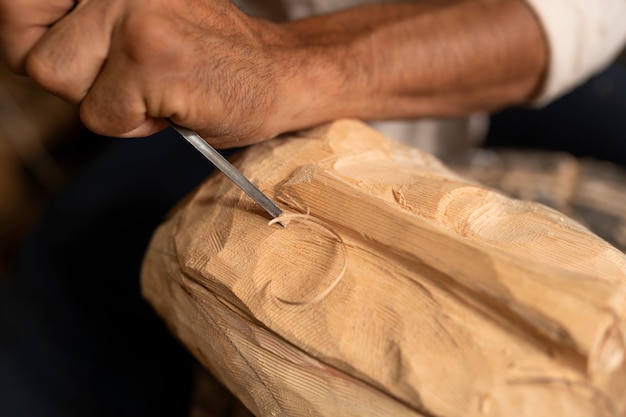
(23, 23)
(132, 64)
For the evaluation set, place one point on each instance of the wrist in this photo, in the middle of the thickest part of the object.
(316, 81)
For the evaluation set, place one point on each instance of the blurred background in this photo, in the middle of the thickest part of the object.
(38, 154)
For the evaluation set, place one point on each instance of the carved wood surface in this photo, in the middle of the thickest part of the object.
(588, 190)
(456, 300)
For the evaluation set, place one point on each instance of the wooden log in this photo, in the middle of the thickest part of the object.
(455, 300)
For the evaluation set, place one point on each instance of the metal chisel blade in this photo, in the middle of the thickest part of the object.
(229, 170)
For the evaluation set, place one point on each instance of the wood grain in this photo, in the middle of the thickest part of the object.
(456, 300)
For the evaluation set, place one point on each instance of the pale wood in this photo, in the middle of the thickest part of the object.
(456, 301)
(588, 190)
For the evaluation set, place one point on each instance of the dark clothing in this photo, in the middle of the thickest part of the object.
(590, 121)
(76, 338)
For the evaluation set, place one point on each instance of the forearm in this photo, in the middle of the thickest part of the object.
(429, 58)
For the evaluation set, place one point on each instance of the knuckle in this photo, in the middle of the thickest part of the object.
(149, 38)
(109, 116)
(94, 120)
(45, 70)
(40, 69)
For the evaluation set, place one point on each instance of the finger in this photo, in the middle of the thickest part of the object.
(68, 57)
(141, 84)
(23, 23)
(101, 124)
(116, 104)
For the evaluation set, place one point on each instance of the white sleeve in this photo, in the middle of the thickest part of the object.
(583, 37)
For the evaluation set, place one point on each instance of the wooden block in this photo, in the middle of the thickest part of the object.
(455, 300)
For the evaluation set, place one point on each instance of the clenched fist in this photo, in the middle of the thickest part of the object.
(133, 64)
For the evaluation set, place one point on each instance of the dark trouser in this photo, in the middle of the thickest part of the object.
(590, 121)
(76, 339)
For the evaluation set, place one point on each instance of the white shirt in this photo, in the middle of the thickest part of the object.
(583, 37)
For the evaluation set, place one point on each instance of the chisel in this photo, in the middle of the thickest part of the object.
(229, 170)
